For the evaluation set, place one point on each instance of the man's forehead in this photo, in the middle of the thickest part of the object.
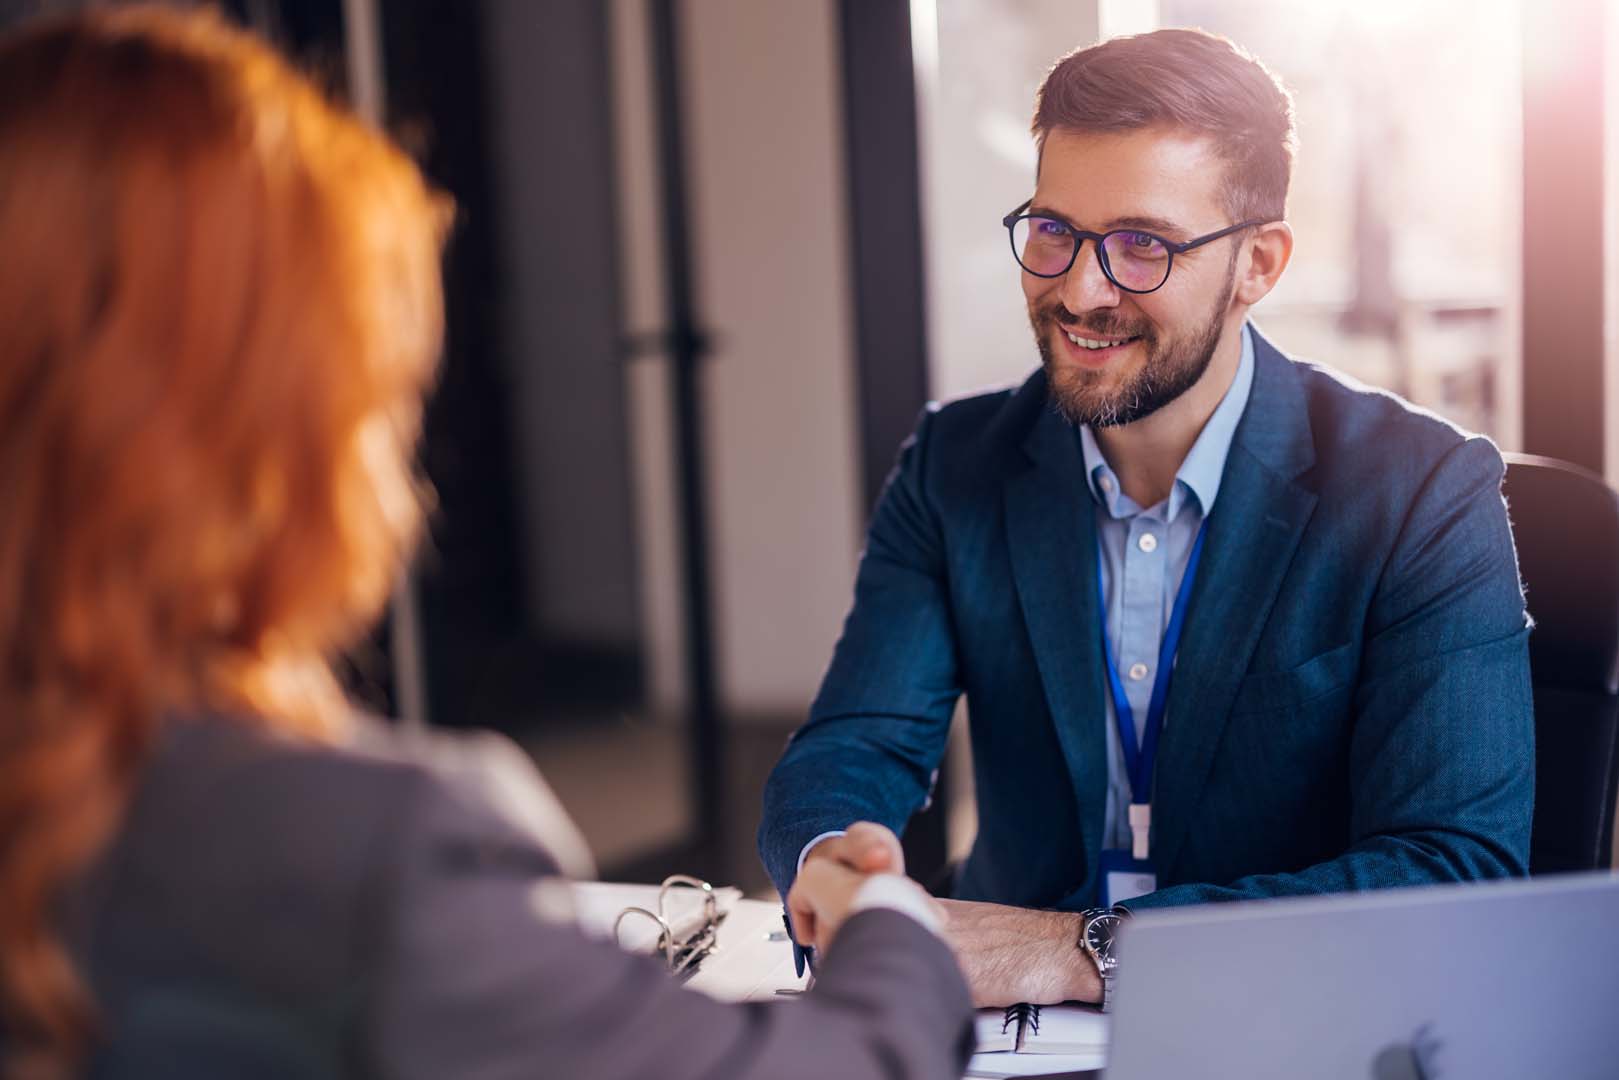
(1135, 178)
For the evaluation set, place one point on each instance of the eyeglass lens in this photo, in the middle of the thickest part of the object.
(1134, 260)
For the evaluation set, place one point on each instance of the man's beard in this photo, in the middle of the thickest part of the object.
(1171, 369)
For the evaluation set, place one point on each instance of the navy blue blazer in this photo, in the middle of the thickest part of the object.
(1350, 707)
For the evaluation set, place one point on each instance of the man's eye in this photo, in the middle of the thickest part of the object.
(1127, 243)
(1048, 228)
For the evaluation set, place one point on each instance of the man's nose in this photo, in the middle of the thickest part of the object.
(1085, 287)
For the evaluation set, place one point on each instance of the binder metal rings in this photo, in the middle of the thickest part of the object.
(681, 955)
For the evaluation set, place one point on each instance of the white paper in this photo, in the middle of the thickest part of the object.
(999, 1065)
(994, 1033)
(1067, 1029)
(753, 960)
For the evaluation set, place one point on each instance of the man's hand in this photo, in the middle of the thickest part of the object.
(867, 848)
(821, 896)
(1011, 955)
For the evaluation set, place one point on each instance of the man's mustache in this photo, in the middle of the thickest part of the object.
(1093, 325)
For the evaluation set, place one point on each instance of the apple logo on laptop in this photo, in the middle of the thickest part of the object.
(1409, 1061)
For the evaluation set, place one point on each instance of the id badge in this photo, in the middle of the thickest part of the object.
(1124, 878)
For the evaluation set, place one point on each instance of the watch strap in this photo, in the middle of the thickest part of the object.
(1105, 972)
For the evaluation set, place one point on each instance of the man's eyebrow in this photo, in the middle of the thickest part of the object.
(1165, 228)
(1036, 210)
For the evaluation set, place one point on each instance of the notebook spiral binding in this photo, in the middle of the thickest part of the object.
(1022, 1016)
(682, 955)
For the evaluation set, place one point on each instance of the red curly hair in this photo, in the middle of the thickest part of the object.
(219, 311)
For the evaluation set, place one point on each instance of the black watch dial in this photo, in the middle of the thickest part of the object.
(1100, 932)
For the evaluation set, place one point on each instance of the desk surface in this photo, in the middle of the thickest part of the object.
(754, 959)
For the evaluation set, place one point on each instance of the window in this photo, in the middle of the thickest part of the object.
(1406, 197)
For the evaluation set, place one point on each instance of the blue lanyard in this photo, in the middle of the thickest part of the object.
(1139, 762)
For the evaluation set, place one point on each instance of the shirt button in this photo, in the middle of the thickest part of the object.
(1106, 484)
(1148, 542)
(1138, 672)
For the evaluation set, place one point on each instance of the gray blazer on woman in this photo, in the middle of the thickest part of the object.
(272, 909)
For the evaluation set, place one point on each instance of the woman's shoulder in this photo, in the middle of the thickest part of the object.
(266, 861)
(247, 776)
(490, 770)
(226, 804)
(231, 769)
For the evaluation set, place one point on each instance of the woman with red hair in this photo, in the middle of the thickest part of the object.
(219, 312)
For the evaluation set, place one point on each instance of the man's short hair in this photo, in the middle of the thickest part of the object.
(1187, 79)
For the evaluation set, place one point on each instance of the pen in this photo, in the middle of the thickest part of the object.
(803, 957)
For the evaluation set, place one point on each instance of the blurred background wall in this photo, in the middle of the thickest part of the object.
(712, 256)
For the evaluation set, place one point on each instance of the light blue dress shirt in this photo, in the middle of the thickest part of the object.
(1144, 555)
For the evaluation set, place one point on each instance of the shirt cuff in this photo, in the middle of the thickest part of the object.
(897, 893)
(805, 850)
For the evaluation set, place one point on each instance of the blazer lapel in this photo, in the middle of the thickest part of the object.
(1052, 534)
(1254, 530)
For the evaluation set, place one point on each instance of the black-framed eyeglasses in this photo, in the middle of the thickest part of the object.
(1135, 260)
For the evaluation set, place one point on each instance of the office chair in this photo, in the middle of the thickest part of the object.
(1565, 521)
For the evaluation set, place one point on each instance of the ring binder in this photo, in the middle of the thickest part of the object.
(681, 955)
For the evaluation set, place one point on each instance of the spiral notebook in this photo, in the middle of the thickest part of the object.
(1042, 1029)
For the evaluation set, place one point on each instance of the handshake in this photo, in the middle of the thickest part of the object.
(1007, 954)
(831, 885)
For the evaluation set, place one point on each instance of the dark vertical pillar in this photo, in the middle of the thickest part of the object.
(547, 67)
(688, 345)
(469, 584)
(891, 369)
(884, 177)
(1563, 294)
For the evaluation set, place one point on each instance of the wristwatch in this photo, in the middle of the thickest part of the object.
(1098, 932)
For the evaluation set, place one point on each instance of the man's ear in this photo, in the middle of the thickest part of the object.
(1269, 247)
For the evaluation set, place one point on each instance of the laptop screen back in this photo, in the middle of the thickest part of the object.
(1473, 982)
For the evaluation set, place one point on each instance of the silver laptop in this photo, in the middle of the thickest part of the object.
(1455, 982)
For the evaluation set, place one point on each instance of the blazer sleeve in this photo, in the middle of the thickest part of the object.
(475, 980)
(876, 732)
(1441, 756)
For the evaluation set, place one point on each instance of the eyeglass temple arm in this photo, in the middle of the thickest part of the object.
(1213, 236)
(1009, 219)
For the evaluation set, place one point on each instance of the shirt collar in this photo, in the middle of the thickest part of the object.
(1199, 474)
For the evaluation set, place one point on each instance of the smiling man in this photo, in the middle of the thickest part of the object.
(1229, 626)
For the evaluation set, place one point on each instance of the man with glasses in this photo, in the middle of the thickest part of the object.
(1229, 626)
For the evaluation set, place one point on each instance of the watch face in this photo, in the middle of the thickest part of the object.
(1099, 937)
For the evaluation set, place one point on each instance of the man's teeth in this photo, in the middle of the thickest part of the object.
(1093, 343)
